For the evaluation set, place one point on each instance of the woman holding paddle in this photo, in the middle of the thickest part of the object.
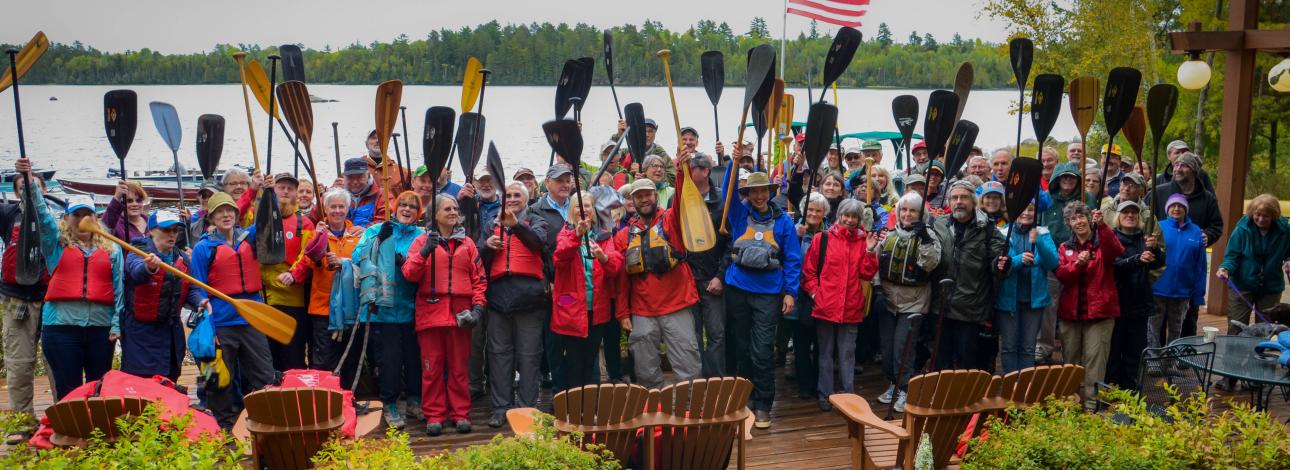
(588, 277)
(806, 356)
(152, 337)
(127, 212)
(1023, 294)
(80, 319)
(334, 240)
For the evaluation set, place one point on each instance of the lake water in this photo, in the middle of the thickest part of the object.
(68, 134)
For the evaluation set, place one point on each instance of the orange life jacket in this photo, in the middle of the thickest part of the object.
(77, 278)
(514, 259)
(147, 297)
(234, 272)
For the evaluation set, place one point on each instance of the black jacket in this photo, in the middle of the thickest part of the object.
(512, 294)
(970, 261)
(1202, 209)
(553, 222)
(1133, 277)
(11, 215)
(1168, 176)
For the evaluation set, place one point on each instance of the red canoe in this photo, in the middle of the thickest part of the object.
(157, 191)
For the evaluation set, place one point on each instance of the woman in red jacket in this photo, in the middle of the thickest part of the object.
(833, 267)
(1089, 303)
(449, 302)
(588, 273)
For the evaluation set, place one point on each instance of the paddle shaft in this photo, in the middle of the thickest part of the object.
(604, 166)
(17, 113)
(240, 57)
(403, 111)
(1021, 98)
(483, 83)
(273, 84)
(335, 142)
(173, 270)
(733, 170)
(904, 359)
(1101, 184)
(398, 155)
(179, 185)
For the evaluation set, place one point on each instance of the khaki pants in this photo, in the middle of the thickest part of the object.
(20, 340)
(1240, 311)
(676, 331)
(1088, 344)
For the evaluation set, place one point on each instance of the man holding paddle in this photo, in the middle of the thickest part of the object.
(282, 291)
(709, 268)
(651, 148)
(21, 306)
(368, 201)
(973, 254)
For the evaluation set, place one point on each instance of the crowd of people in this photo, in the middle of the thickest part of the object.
(444, 295)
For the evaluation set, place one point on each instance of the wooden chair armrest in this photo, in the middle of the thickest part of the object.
(638, 422)
(522, 420)
(855, 409)
(985, 405)
(260, 428)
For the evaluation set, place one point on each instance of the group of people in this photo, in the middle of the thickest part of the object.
(445, 294)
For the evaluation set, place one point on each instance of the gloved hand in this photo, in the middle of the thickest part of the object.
(387, 229)
(470, 318)
(399, 258)
(922, 231)
(432, 241)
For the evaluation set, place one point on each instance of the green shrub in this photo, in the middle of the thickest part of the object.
(145, 442)
(1059, 434)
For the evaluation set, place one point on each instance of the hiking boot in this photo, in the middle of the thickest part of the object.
(885, 398)
(393, 418)
(824, 404)
(900, 403)
(434, 429)
(761, 419)
(463, 426)
(497, 420)
(413, 410)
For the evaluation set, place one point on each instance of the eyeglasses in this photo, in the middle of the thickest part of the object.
(408, 206)
(131, 200)
(851, 158)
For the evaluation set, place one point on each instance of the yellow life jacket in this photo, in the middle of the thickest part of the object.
(648, 250)
(757, 249)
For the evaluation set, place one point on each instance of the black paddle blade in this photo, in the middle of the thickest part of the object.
(270, 243)
(635, 116)
(713, 65)
(120, 119)
(494, 167)
(960, 145)
(1021, 52)
(762, 97)
(840, 54)
(609, 56)
(470, 134)
(293, 62)
(761, 62)
(30, 266)
(584, 78)
(904, 109)
(564, 89)
(821, 121)
(938, 121)
(1120, 98)
(436, 141)
(210, 143)
(1022, 185)
(566, 139)
(1162, 101)
(1046, 104)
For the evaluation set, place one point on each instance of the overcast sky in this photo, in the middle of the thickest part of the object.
(181, 26)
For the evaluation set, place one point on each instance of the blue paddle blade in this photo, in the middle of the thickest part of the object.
(166, 119)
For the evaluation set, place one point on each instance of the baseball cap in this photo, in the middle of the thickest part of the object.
(650, 122)
(1135, 178)
(992, 187)
(421, 170)
(701, 160)
(1127, 204)
(78, 202)
(163, 218)
(284, 176)
(1177, 145)
(871, 145)
(1115, 149)
(920, 145)
(522, 172)
(689, 129)
(640, 185)
(558, 170)
(355, 166)
(852, 150)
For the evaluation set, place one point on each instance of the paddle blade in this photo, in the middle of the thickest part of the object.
(840, 54)
(963, 87)
(1121, 96)
(1083, 103)
(210, 143)
(1046, 104)
(471, 81)
(635, 117)
(494, 166)
(436, 140)
(820, 124)
(773, 104)
(1021, 53)
(388, 97)
(938, 121)
(583, 81)
(609, 56)
(566, 139)
(166, 119)
(470, 135)
(293, 99)
(1162, 101)
(713, 66)
(1135, 129)
(904, 109)
(272, 322)
(564, 89)
(1022, 185)
(784, 118)
(960, 145)
(30, 266)
(26, 58)
(761, 63)
(258, 82)
(120, 119)
(293, 62)
(696, 222)
(270, 242)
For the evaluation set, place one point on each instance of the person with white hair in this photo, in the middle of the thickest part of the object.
(907, 256)
(332, 244)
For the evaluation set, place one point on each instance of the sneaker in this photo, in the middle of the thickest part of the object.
(463, 426)
(900, 403)
(825, 406)
(885, 398)
(497, 420)
(413, 410)
(434, 429)
(393, 418)
(761, 419)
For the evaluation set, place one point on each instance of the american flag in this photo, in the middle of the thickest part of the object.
(838, 12)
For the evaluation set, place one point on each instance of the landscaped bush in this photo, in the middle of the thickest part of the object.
(146, 442)
(1059, 434)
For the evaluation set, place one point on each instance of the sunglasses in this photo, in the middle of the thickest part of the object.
(408, 206)
(131, 200)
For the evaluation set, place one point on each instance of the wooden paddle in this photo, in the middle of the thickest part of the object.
(293, 62)
(210, 144)
(388, 96)
(471, 82)
(262, 88)
(696, 221)
(1135, 130)
(240, 58)
(272, 322)
(1083, 106)
(713, 66)
(294, 96)
(23, 60)
(963, 87)
(772, 114)
(1021, 53)
(904, 110)
(1162, 101)
(839, 57)
(120, 120)
(1121, 97)
(609, 69)
(31, 264)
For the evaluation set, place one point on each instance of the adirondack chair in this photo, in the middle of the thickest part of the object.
(1033, 385)
(714, 416)
(288, 426)
(74, 421)
(940, 404)
(597, 411)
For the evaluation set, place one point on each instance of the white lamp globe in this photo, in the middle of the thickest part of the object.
(1193, 74)
(1279, 76)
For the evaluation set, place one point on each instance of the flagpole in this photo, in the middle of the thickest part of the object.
(783, 33)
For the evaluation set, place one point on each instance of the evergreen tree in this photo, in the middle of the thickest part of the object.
(884, 35)
(758, 28)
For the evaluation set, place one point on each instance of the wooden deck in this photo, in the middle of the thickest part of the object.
(802, 436)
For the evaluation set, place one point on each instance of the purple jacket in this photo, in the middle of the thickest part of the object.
(115, 219)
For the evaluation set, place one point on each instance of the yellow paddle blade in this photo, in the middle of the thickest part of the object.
(272, 322)
(696, 222)
(776, 100)
(1083, 102)
(259, 84)
(471, 82)
(388, 96)
(785, 123)
(27, 57)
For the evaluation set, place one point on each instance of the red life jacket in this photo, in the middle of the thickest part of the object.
(77, 278)
(147, 297)
(9, 262)
(234, 272)
(514, 259)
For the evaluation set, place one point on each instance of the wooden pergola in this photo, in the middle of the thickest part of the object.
(1239, 44)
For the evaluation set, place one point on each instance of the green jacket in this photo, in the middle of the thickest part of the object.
(1254, 258)
(971, 264)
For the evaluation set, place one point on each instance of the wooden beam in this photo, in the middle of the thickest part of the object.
(1220, 41)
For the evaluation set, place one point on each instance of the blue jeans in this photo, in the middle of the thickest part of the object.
(1017, 333)
(76, 354)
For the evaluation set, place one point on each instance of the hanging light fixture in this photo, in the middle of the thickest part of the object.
(1194, 73)
(1279, 76)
